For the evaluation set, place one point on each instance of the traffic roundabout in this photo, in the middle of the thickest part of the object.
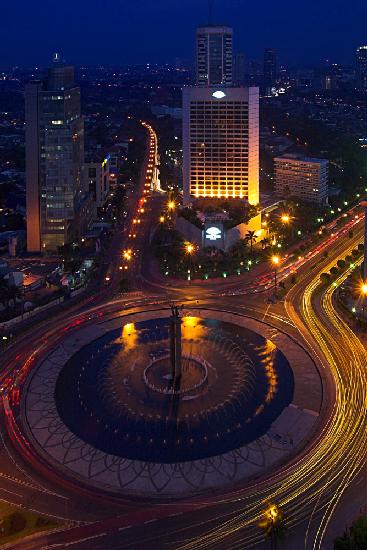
(104, 409)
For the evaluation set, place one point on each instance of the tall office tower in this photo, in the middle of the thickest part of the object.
(56, 199)
(221, 143)
(214, 47)
(270, 68)
(361, 68)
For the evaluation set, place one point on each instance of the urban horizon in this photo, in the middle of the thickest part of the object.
(183, 282)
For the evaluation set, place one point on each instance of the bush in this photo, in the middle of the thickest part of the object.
(325, 278)
(124, 285)
(43, 522)
(17, 522)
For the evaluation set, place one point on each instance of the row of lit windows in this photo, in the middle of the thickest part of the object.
(211, 182)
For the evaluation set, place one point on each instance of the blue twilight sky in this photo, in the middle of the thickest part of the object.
(139, 31)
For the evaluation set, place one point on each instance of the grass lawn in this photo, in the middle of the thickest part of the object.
(16, 523)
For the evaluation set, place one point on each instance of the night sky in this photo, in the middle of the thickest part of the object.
(138, 31)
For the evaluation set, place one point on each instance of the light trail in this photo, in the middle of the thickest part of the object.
(313, 485)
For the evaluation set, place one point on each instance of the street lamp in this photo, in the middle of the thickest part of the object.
(171, 205)
(364, 295)
(161, 219)
(285, 218)
(190, 248)
(127, 254)
(275, 261)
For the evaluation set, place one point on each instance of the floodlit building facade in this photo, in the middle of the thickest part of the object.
(221, 143)
(302, 177)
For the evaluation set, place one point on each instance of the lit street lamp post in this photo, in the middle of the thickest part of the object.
(189, 250)
(364, 295)
(273, 525)
(275, 261)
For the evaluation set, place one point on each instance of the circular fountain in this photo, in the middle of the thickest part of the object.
(185, 389)
(164, 405)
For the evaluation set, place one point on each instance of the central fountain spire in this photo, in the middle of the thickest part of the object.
(176, 346)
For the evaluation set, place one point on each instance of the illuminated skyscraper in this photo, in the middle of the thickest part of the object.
(214, 47)
(361, 68)
(57, 204)
(221, 143)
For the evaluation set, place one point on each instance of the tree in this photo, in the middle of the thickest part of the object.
(354, 538)
(239, 249)
(341, 264)
(325, 278)
(124, 286)
(4, 292)
(251, 238)
(265, 243)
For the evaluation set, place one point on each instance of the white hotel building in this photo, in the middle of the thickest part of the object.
(221, 143)
(302, 177)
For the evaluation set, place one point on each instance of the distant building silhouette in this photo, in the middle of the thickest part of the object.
(270, 69)
(239, 69)
(214, 49)
(361, 68)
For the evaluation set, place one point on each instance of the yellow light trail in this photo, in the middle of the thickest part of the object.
(312, 486)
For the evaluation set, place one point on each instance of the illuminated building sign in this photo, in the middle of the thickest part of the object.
(213, 233)
(219, 95)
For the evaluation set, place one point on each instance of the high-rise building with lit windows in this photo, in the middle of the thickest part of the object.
(221, 143)
(361, 68)
(302, 177)
(56, 196)
(214, 52)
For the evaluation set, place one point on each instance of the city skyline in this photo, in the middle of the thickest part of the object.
(183, 276)
(160, 31)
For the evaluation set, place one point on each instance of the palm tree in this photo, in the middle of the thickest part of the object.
(265, 242)
(251, 238)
